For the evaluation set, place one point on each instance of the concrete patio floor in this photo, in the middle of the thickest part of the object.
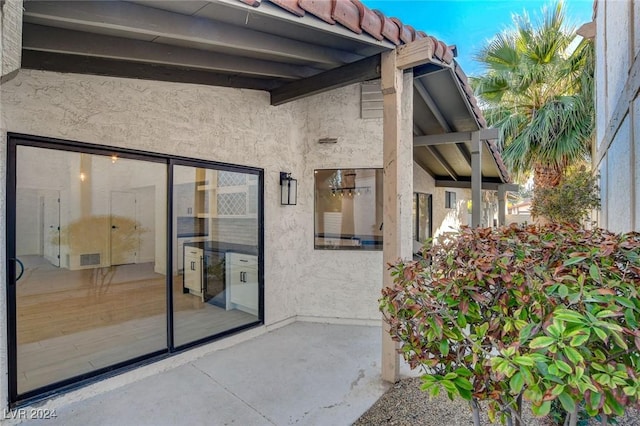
(303, 373)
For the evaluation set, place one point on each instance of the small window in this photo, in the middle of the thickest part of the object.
(422, 214)
(449, 200)
(348, 209)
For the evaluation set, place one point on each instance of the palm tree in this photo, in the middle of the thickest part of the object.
(540, 95)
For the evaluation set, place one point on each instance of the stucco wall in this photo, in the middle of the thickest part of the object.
(220, 124)
(617, 153)
(444, 220)
(238, 127)
(338, 284)
(10, 37)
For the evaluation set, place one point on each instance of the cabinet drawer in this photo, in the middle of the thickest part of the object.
(239, 259)
(192, 251)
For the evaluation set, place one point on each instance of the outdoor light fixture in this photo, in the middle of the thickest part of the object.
(288, 189)
(327, 140)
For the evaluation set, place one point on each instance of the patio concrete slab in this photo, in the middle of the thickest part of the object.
(303, 374)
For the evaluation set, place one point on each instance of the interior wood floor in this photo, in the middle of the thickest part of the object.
(73, 322)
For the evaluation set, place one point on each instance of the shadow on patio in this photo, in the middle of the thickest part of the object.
(303, 373)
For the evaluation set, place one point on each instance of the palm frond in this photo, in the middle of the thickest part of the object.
(540, 97)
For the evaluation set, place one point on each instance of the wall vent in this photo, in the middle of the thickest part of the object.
(370, 99)
(90, 259)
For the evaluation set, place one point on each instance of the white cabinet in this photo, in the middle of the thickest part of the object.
(242, 282)
(193, 282)
(180, 246)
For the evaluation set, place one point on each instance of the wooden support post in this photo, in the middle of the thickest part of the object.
(502, 205)
(398, 185)
(476, 179)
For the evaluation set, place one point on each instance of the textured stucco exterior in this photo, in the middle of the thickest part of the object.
(198, 122)
(343, 284)
(444, 220)
(617, 145)
(10, 37)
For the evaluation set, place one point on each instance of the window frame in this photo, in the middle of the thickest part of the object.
(450, 199)
(379, 243)
(416, 222)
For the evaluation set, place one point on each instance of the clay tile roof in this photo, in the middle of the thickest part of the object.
(357, 17)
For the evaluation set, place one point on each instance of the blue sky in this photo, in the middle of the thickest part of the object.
(469, 24)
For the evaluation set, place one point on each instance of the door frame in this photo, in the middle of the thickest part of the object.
(14, 140)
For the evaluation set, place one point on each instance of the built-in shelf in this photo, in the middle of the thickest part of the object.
(207, 187)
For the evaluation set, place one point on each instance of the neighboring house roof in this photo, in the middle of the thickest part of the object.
(287, 47)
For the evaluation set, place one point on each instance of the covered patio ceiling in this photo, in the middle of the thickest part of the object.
(291, 48)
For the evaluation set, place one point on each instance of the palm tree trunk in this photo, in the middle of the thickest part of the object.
(547, 176)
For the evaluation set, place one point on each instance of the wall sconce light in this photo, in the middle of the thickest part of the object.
(288, 189)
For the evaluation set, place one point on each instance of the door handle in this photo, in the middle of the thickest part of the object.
(114, 227)
(21, 269)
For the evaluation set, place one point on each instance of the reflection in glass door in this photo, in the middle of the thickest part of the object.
(90, 233)
(215, 287)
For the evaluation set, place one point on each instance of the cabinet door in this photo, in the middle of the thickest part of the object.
(242, 279)
(193, 271)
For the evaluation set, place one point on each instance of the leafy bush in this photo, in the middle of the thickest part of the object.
(545, 313)
(570, 201)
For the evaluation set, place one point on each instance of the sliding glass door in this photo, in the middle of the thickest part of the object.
(90, 239)
(89, 234)
(215, 214)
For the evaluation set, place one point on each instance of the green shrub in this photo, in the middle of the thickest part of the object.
(545, 313)
(571, 201)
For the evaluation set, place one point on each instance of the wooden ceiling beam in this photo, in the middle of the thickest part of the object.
(485, 134)
(431, 104)
(443, 162)
(356, 72)
(56, 40)
(488, 184)
(148, 23)
(116, 68)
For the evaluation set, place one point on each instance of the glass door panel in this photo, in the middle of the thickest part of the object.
(215, 249)
(90, 232)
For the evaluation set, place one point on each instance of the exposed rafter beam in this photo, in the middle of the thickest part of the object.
(442, 121)
(362, 70)
(421, 163)
(431, 104)
(56, 40)
(462, 148)
(488, 184)
(110, 67)
(443, 162)
(485, 134)
(148, 23)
